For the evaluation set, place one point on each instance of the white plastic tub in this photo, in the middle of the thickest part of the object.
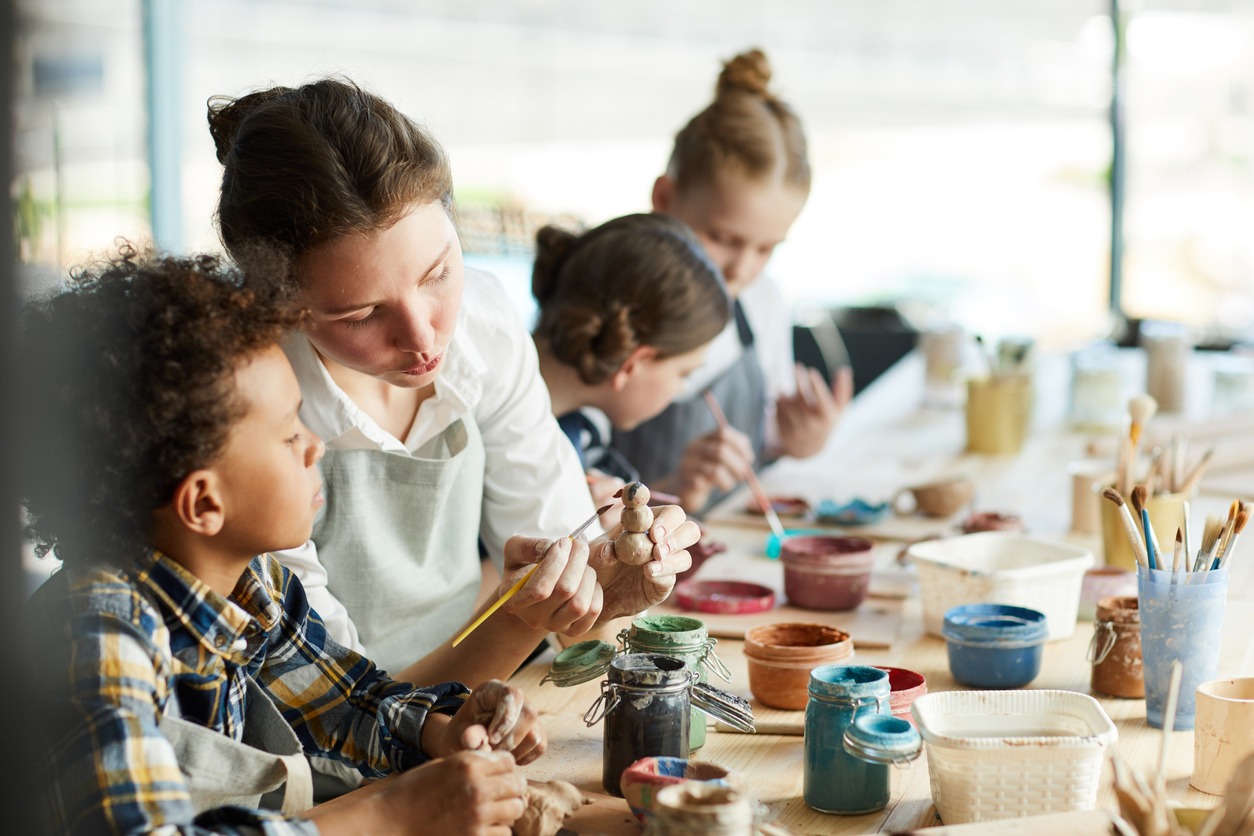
(1005, 754)
(998, 567)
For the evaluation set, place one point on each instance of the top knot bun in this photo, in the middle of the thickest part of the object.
(748, 72)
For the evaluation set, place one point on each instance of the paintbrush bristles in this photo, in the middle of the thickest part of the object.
(1141, 408)
(1140, 494)
(1114, 496)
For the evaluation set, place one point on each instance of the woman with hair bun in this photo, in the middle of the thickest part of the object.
(627, 311)
(738, 176)
(424, 384)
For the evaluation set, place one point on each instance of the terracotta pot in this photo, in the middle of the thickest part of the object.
(781, 657)
(1115, 651)
(827, 573)
(935, 499)
(906, 686)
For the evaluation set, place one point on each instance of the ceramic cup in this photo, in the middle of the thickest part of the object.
(999, 410)
(1166, 513)
(1224, 733)
(825, 572)
(942, 498)
(1088, 478)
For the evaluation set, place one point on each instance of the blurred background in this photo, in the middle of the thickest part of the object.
(962, 150)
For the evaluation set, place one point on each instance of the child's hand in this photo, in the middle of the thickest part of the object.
(477, 793)
(632, 589)
(718, 459)
(563, 595)
(496, 717)
(603, 487)
(807, 418)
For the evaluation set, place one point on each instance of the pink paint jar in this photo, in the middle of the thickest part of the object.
(905, 687)
(827, 573)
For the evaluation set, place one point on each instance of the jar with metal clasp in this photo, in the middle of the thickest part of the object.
(851, 738)
(1115, 650)
(646, 700)
(680, 637)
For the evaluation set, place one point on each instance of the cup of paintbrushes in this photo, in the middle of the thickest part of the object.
(1166, 514)
(999, 410)
(1181, 619)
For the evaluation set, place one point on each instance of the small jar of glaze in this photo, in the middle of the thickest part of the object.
(994, 645)
(692, 809)
(683, 638)
(905, 686)
(646, 701)
(822, 572)
(1115, 651)
(781, 656)
(843, 773)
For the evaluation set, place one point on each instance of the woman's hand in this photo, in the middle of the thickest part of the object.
(807, 418)
(477, 793)
(496, 717)
(631, 589)
(718, 459)
(562, 595)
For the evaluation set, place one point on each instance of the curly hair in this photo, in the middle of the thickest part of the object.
(746, 129)
(127, 386)
(633, 281)
(305, 165)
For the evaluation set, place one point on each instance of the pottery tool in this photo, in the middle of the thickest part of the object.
(755, 487)
(509, 593)
(1130, 526)
(1152, 551)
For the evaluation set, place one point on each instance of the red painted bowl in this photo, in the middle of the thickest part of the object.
(724, 596)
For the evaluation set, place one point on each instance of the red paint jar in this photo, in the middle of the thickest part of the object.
(825, 572)
(905, 686)
(781, 656)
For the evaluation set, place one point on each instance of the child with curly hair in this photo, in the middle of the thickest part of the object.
(626, 312)
(180, 672)
(739, 176)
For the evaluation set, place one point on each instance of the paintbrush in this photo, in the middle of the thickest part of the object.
(509, 593)
(1210, 539)
(1226, 535)
(1141, 409)
(1139, 496)
(1129, 525)
(755, 487)
(1194, 476)
(1238, 525)
(1177, 556)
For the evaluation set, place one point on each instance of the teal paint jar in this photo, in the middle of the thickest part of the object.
(850, 739)
(684, 638)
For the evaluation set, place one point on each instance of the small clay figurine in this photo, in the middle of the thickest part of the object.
(633, 546)
(549, 804)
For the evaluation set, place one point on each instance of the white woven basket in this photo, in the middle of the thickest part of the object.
(1005, 754)
(998, 567)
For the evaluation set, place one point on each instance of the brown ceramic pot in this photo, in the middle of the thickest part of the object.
(1116, 648)
(825, 572)
(781, 657)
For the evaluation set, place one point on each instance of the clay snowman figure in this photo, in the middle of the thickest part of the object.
(633, 545)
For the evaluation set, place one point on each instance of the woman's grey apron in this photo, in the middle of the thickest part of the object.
(657, 445)
(220, 771)
(398, 538)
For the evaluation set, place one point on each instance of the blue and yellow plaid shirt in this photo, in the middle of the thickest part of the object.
(127, 646)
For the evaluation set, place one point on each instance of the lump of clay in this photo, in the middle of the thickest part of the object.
(635, 495)
(637, 519)
(549, 804)
(633, 548)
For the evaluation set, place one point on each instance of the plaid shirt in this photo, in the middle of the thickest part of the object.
(124, 647)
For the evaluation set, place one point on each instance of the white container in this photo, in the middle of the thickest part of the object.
(1001, 567)
(1006, 754)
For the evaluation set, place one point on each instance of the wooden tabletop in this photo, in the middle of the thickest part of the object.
(885, 441)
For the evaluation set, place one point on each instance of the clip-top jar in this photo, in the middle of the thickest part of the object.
(679, 637)
(1115, 650)
(646, 700)
(850, 738)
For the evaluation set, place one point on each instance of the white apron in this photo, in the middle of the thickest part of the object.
(398, 538)
(220, 771)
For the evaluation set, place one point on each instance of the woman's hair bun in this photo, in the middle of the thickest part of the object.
(553, 245)
(227, 114)
(748, 72)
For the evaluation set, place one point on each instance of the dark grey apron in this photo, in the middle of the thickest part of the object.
(655, 447)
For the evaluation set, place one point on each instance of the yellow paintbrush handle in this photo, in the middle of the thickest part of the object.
(509, 593)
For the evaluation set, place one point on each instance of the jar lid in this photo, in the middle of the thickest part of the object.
(881, 738)
(999, 624)
(579, 663)
(721, 705)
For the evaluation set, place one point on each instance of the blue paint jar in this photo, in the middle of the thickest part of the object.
(850, 738)
(994, 645)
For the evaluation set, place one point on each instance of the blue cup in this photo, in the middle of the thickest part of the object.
(1184, 621)
(994, 645)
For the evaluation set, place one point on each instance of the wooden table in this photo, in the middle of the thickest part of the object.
(886, 441)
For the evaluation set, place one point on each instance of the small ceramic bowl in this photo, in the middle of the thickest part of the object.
(724, 596)
(905, 687)
(992, 521)
(826, 572)
(642, 781)
(785, 506)
(856, 511)
(781, 656)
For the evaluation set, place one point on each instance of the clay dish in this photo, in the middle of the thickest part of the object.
(935, 499)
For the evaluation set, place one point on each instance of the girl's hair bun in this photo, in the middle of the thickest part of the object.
(748, 72)
(553, 245)
(227, 114)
